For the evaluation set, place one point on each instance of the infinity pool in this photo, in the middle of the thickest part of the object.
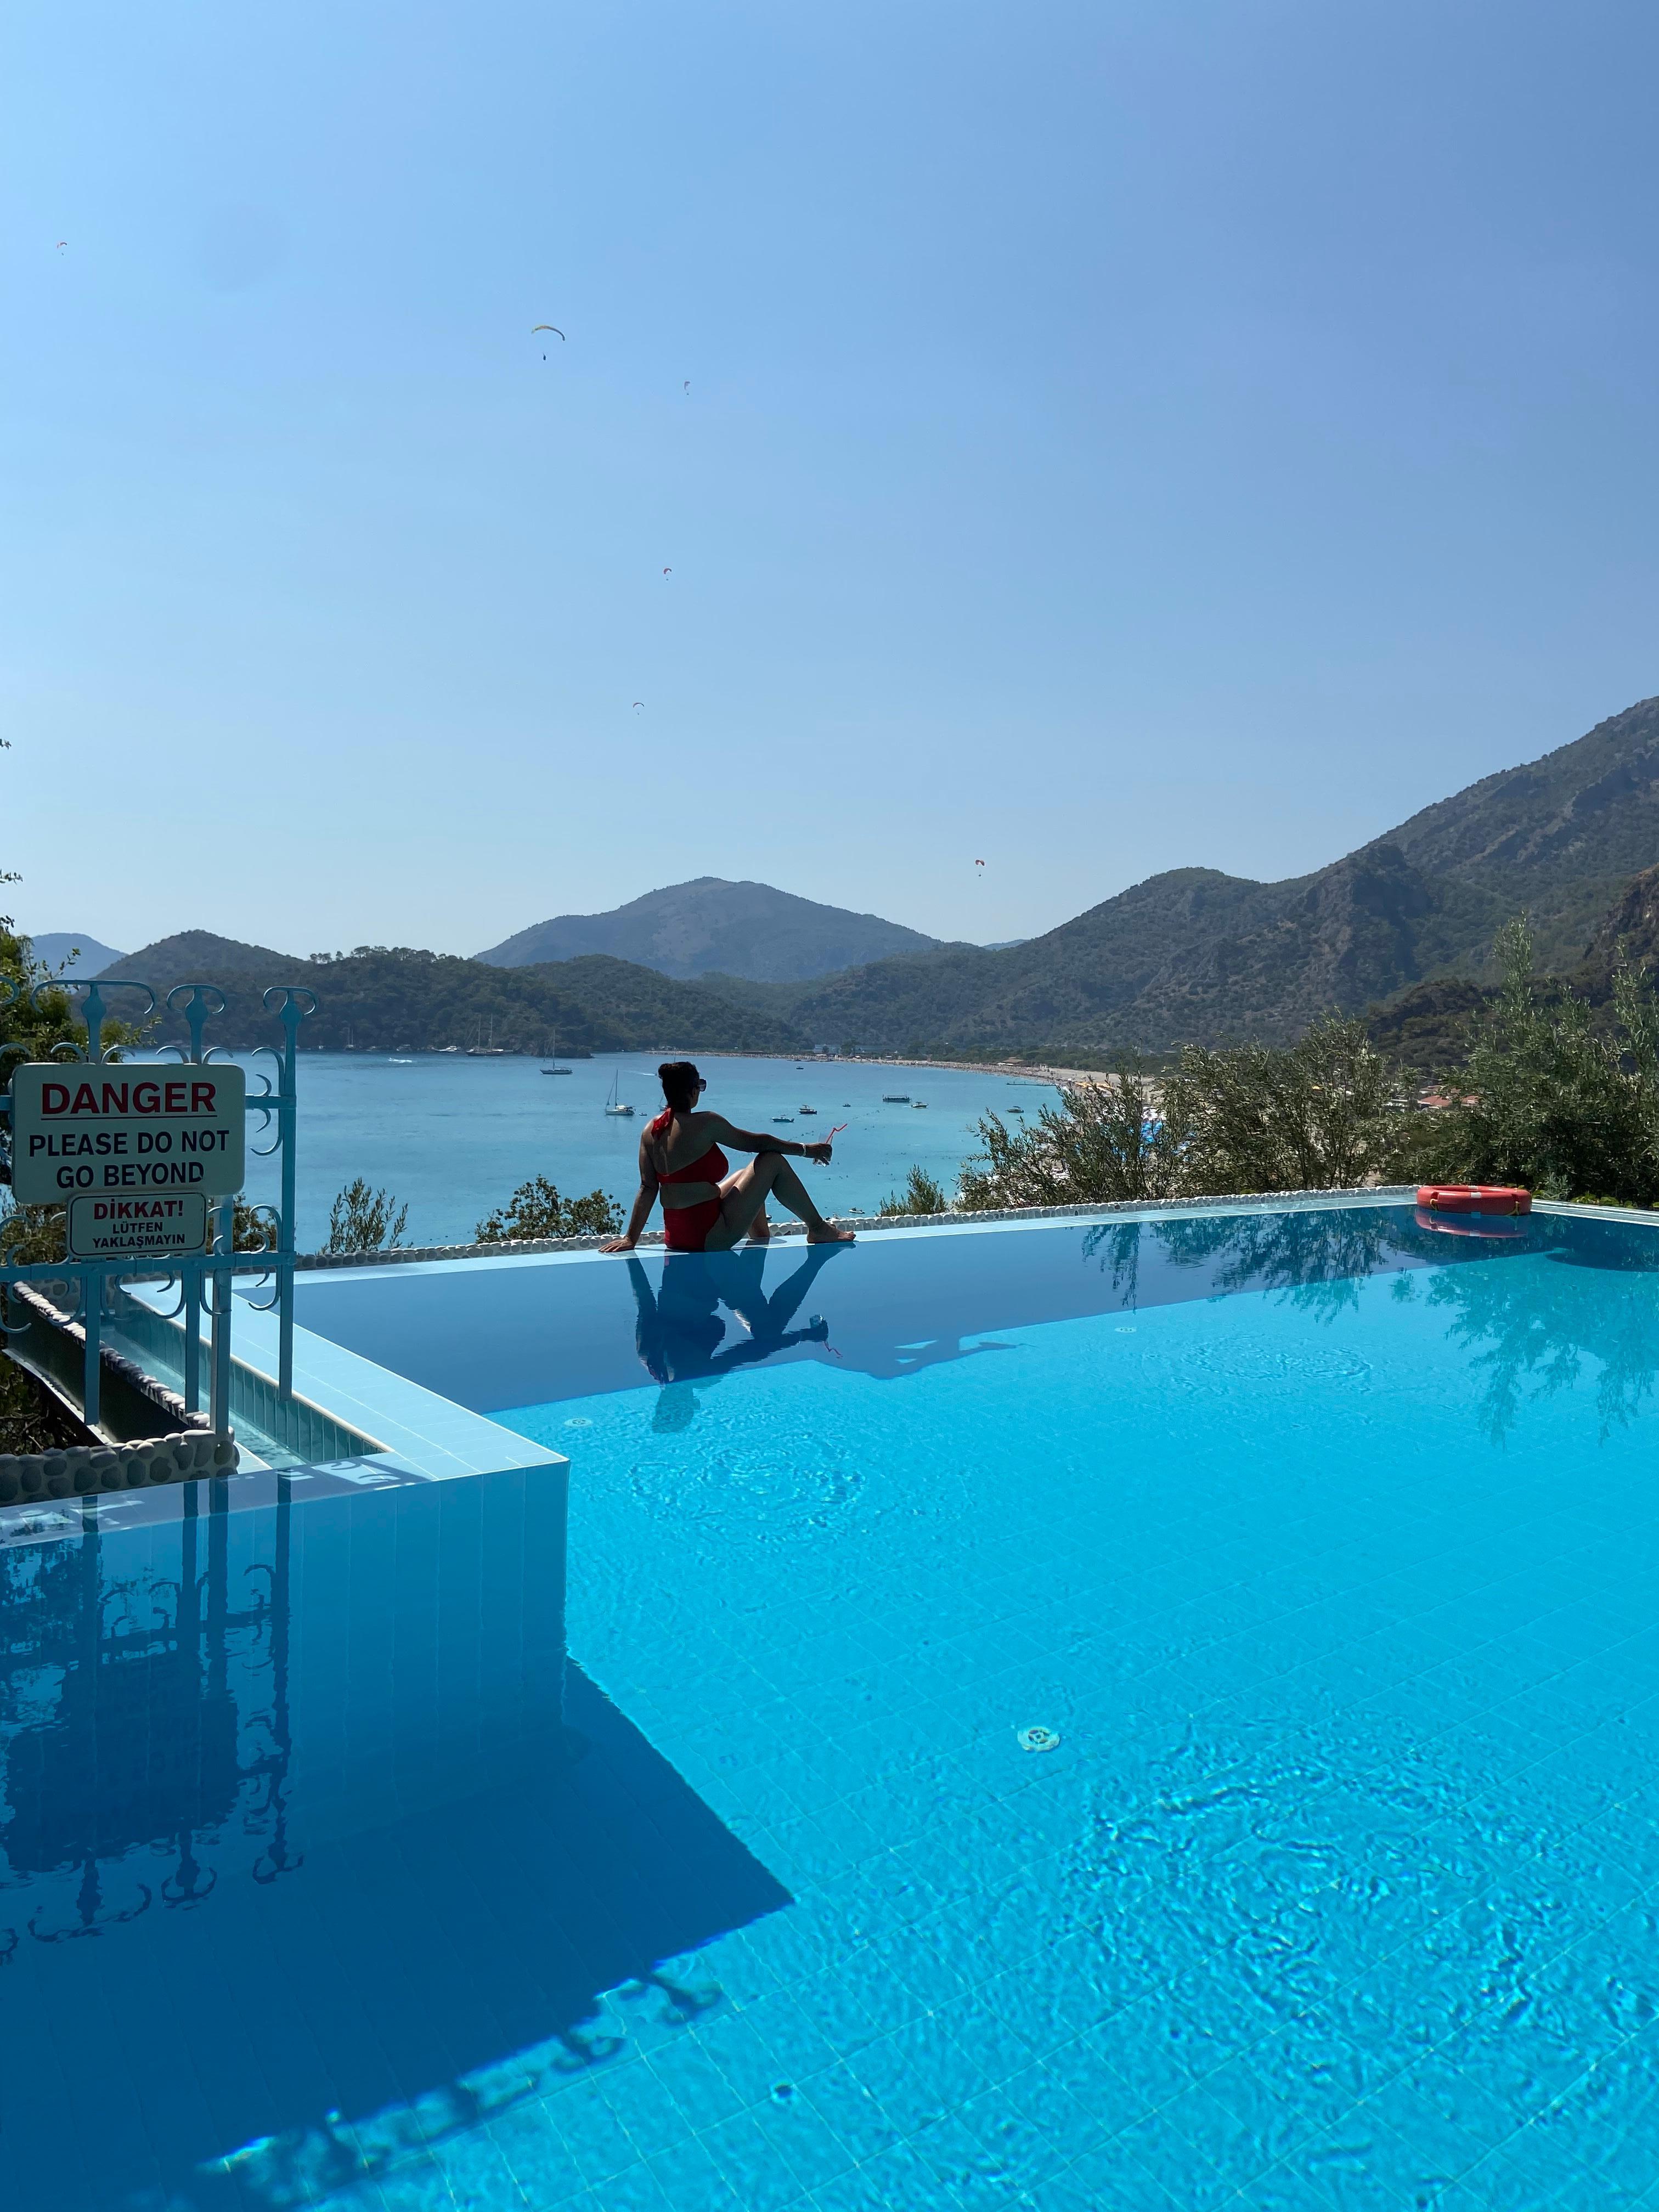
(685, 1844)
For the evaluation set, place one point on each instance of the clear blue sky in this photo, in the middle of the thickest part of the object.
(1119, 437)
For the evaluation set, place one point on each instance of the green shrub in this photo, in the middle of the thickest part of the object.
(537, 1211)
(1550, 1098)
(1320, 1114)
(361, 1220)
(1104, 1140)
(30, 1233)
(1324, 1114)
(921, 1195)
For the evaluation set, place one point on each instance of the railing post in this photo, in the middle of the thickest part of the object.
(191, 1309)
(224, 1215)
(92, 1319)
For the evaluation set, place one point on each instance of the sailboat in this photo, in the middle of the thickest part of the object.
(490, 1051)
(613, 1104)
(553, 1054)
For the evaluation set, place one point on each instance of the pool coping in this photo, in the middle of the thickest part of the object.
(1271, 1201)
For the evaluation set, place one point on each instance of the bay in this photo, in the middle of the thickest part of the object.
(453, 1137)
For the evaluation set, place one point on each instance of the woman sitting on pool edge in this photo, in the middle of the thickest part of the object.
(682, 1162)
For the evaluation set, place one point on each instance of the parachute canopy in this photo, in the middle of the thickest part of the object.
(553, 327)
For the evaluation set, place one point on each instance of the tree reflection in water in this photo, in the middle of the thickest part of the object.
(1530, 1301)
(1319, 1257)
(1530, 1329)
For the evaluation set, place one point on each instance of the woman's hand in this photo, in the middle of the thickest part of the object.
(619, 1244)
(820, 1152)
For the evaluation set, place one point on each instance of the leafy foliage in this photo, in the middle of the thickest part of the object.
(1104, 1140)
(536, 1210)
(30, 1233)
(921, 1195)
(1320, 1114)
(30, 1419)
(362, 1220)
(1550, 1098)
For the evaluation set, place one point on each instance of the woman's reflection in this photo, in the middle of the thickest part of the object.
(679, 1334)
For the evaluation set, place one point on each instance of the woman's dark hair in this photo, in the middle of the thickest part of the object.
(680, 1084)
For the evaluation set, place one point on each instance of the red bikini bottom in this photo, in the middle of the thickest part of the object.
(685, 1228)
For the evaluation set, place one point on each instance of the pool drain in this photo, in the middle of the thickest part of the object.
(1038, 1738)
(782, 2092)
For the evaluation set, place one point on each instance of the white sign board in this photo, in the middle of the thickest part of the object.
(113, 1228)
(125, 1127)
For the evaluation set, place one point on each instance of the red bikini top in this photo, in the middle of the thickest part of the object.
(709, 1168)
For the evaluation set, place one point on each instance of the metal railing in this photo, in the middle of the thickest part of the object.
(200, 1285)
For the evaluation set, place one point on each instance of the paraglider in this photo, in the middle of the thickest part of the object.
(638, 703)
(553, 327)
(62, 242)
(979, 864)
(668, 572)
(687, 387)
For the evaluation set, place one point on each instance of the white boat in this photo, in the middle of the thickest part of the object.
(613, 1104)
(783, 1117)
(806, 1110)
(490, 1051)
(553, 1054)
(918, 1105)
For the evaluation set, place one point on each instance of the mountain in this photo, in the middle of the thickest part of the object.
(1196, 955)
(741, 929)
(1630, 929)
(1401, 929)
(385, 999)
(76, 950)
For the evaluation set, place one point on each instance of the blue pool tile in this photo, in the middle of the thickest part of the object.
(751, 2166)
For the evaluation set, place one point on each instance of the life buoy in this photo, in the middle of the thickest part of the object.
(1473, 1198)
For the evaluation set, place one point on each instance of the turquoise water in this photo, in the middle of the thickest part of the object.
(1324, 1545)
(454, 1137)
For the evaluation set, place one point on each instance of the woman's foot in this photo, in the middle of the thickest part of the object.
(827, 1232)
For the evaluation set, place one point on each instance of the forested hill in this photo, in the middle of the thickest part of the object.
(391, 999)
(1193, 955)
(1561, 836)
(1190, 956)
(741, 929)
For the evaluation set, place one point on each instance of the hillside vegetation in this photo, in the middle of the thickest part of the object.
(743, 929)
(1196, 957)
(1400, 931)
(387, 998)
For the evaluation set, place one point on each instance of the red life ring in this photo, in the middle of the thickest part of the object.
(1473, 1198)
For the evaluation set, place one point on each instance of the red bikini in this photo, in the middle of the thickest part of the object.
(685, 1228)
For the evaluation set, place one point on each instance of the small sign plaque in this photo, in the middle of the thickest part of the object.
(126, 1128)
(116, 1227)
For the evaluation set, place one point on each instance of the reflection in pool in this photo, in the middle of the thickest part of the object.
(497, 1337)
(317, 1852)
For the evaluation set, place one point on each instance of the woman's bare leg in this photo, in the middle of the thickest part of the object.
(744, 1196)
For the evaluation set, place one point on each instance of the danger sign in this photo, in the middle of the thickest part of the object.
(117, 1228)
(126, 1129)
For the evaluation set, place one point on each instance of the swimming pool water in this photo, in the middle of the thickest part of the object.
(1324, 1544)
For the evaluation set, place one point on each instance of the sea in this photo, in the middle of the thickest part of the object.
(452, 1137)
